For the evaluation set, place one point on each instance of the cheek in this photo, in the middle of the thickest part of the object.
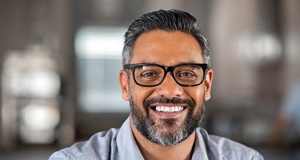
(197, 94)
(139, 94)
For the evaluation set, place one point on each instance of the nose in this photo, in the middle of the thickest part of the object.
(169, 88)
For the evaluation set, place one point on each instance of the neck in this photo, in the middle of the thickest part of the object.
(153, 151)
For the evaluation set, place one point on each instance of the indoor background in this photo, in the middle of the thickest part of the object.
(60, 59)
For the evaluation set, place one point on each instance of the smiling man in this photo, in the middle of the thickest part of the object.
(166, 78)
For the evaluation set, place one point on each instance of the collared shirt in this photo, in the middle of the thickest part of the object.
(119, 144)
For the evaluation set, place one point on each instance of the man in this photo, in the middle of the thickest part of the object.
(166, 78)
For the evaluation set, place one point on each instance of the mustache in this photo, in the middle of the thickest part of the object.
(174, 100)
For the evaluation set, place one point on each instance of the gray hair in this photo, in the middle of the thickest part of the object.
(167, 20)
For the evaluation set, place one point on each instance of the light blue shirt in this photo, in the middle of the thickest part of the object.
(291, 105)
(119, 144)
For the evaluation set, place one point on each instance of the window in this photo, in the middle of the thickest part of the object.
(98, 54)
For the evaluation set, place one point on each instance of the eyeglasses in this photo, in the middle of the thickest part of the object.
(150, 75)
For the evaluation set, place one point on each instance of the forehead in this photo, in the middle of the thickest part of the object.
(166, 48)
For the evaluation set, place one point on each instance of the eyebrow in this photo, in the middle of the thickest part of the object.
(181, 62)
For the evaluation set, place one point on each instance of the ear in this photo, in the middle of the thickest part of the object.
(208, 84)
(123, 80)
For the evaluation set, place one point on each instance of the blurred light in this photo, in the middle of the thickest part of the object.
(39, 122)
(35, 83)
(99, 51)
(261, 50)
(40, 116)
(30, 74)
(99, 41)
(43, 83)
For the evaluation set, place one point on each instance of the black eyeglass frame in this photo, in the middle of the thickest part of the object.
(166, 69)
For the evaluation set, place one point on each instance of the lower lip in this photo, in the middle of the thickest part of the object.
(169, 114)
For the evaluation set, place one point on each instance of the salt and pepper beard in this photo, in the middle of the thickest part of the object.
(144, 123)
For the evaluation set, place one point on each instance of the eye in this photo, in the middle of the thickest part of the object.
(186, 74)
(148, 74)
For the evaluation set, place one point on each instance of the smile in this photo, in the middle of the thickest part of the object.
(169, 109)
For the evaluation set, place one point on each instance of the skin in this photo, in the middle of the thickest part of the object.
(168, 49)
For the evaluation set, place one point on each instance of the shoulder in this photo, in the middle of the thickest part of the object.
(224, 148)
(100, 145)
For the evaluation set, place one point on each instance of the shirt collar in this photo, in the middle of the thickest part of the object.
(200, 151)
(126, 143)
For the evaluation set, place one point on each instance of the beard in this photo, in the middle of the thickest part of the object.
(169, 131)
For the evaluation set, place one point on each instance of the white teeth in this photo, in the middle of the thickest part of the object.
(176, 109)
(168, 109)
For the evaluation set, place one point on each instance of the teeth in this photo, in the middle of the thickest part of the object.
(168, 109)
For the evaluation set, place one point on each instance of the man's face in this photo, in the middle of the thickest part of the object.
(150, 106)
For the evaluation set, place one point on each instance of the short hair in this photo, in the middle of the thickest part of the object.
(167, 20)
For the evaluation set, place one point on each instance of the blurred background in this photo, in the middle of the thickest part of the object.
(60, 59)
